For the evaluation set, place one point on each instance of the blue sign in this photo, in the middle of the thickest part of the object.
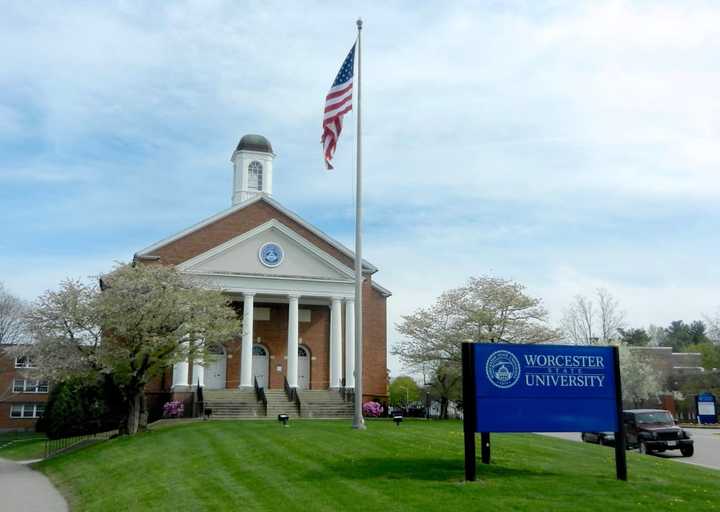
(706, 411)
(545, 388)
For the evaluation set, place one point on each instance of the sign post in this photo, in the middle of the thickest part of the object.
(540, 388)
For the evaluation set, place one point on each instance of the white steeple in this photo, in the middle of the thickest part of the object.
(252, 161)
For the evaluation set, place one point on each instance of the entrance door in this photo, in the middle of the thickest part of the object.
(260, 365)
(215, 370)
(303, 368)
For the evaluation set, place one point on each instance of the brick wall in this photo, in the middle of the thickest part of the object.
(375, 372)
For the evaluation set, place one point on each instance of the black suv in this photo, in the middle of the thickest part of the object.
(654, 430)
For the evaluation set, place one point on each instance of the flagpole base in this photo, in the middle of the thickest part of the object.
(359, 426)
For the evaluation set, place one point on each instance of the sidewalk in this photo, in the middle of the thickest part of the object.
(23, 489)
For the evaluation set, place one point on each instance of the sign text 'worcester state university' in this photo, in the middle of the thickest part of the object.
(544, 388)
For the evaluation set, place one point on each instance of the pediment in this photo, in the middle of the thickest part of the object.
(241, 255)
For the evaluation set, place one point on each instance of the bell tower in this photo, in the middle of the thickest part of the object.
(252, 164)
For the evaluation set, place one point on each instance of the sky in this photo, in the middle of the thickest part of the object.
(568, 146)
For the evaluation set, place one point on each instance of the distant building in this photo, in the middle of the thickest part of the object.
(669, 364)
(22, 395)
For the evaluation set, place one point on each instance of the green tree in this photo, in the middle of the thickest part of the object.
(679, 335)
(146, 318)
(403, 391)
(710, 354)
(446, 386)
(634, 337)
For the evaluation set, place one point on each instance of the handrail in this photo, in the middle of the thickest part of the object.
(260, 394)
(292, 394)
(199, 405)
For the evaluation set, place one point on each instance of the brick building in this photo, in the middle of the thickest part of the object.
(22, 395)
(292, 284)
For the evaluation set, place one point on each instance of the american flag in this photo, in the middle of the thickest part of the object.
(338, 102)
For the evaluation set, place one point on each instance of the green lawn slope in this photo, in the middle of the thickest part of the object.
(325, 466)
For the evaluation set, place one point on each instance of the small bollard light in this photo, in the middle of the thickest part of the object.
(397, 419)
(283, 418)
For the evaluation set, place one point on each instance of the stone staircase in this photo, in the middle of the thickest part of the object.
(233, 403)
(243, 404)
(278, 403)
(324, 403)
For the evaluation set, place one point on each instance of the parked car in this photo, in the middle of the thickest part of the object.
(604, 438)
(654, 430)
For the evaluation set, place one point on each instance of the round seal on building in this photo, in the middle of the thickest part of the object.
(271, 254)
(502, 369)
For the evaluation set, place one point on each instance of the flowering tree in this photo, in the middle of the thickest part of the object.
(146, 318)
(639, 379)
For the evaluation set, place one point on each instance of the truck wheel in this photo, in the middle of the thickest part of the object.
(687, 451)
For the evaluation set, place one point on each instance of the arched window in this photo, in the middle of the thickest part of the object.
(259, 351)
(255, 171)
(302, 352)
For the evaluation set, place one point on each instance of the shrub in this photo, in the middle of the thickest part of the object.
(173, 409)
(78, 406)
(372, 409)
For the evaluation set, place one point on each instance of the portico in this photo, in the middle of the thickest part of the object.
(272, 320)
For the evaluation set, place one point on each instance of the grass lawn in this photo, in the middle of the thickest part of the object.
(22, 445)
(325, 466)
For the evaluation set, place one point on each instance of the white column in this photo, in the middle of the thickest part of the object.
(335, 343)
(198, 375)
(349, 343)
(292, 342)
(180, 374)
(246, 374)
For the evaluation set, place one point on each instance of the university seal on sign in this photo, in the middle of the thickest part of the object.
(502, 369)
(271, 254)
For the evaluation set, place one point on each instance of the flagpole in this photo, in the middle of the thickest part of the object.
(358, 422)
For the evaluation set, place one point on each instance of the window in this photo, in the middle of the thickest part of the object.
(27, 410)
(255, 170)
(259, 351)
(30, 386)
(24, 362)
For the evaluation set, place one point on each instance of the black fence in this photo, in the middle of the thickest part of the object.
(55, 446)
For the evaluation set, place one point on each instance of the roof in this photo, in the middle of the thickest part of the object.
(253, 142)
(383, 291)
(147, 252)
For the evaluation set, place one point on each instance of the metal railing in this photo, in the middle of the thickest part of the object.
(199, 403)
(292, 394)
(260, 395)
(55, 446)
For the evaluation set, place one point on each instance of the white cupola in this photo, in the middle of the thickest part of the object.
(252, 162)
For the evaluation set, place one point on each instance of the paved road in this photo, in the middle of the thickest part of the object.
(26, 490)
(707, 447)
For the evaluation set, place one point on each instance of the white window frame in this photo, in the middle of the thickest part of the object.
(24, 362)
(27, 408)
(37, 386)
(255, 173)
